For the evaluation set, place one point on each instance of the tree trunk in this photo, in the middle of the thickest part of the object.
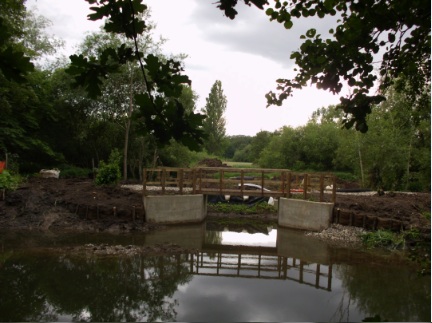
(127, 129)
(125, 149)
(408, 163)
(360, 161)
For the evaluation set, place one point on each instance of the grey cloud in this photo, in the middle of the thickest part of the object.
(251, 31)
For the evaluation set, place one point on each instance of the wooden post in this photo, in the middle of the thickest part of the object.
(283, 174)
(200, 180)
(289, 185)
(241, 181)
(181, 181)
(330, 273)
(145, 181)
(163, 180)
(305, 186)
(221, 174)
(194, 181)
(321, 188)
(317, 276)
(334, 189)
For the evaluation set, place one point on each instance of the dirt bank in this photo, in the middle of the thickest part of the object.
(79, 205)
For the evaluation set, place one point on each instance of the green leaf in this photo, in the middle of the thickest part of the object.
(288, 24)
(311, 33)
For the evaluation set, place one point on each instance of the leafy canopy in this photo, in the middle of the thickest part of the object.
(161, 112)
(395, 33)
(14, 64)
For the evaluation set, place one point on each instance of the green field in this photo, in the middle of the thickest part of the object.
(239, 164)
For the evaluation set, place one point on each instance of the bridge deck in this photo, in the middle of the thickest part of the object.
(237, 182)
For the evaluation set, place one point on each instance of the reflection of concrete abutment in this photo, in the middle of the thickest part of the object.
(179, 195)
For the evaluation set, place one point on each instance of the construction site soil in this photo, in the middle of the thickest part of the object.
(79, 205)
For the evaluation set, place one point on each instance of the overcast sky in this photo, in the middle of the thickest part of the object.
(246, 54)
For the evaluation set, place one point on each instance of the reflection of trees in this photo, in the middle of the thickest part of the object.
(95, 289)
(213, 237)
(372, 290)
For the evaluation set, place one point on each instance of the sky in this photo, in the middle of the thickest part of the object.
(247, 54)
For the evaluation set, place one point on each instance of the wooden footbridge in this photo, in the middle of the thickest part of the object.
(234, 181)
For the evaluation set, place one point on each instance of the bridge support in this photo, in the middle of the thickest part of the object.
(175, 209)
(304, 215)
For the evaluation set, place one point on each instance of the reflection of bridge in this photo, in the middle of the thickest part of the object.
(263, 266)
(230, 181)
(295, 257)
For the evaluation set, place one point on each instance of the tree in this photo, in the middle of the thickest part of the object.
(283, 150)
(214, 123)
(25, 105)
(14, 64)
(259, 142)
(236, 143)
(119, 89)
(393, 32)
(160, 111)
(35, 41)
(395, 154)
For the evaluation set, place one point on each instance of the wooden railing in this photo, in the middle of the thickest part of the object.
(231, 181)
(258, 266)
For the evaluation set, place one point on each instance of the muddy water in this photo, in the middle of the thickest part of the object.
(278, 275)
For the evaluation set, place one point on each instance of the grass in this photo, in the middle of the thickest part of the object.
(259, 208)
(426, 215)
(239, 164)
(383, 239)
(389, 239)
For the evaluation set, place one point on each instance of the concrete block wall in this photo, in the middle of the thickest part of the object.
(175, 209)
(304, 215)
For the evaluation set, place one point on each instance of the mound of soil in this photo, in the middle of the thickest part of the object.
(79, 205)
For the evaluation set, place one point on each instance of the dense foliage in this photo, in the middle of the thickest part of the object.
(395, 33)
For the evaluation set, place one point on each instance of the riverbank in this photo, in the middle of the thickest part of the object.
(79, 205)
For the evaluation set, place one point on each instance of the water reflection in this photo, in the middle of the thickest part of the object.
(289, 277)
(247, 239)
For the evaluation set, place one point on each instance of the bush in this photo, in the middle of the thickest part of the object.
(70, 171)
(109, 173)
(8, 181)
(259, 208)
(382, 239)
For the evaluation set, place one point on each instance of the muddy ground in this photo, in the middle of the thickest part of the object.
(79, 205)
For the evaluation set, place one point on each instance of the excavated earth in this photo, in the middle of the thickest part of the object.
(79, 205)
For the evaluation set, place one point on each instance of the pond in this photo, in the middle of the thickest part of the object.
(278, 275)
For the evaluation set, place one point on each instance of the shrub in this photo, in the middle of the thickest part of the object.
(383, 239)
(259, 208)
(8, 181)
(109, 173)
(70, 171)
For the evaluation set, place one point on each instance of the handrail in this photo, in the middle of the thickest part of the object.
(217, 181)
